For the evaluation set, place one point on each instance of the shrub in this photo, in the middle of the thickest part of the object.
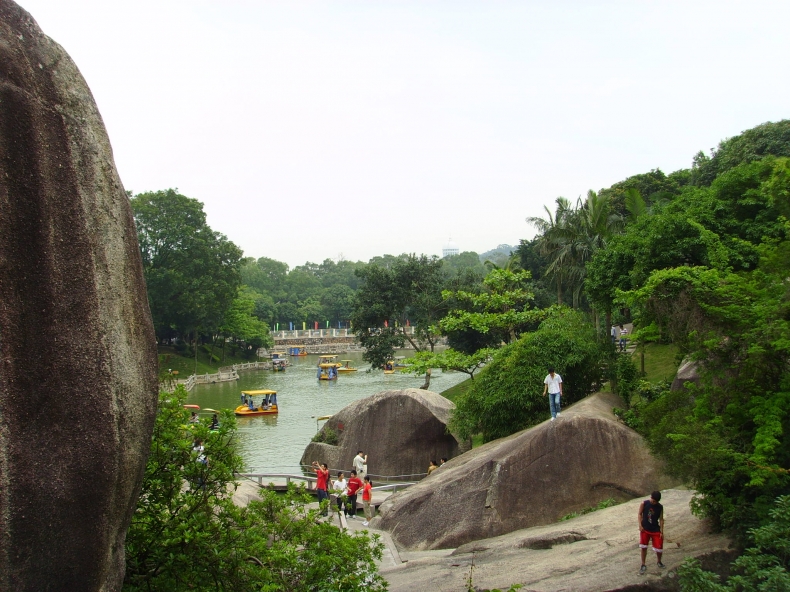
(507, 396)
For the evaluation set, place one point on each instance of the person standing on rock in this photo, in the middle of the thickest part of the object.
(552, 385)
(361, 464)
(651, 528)
(322, 478)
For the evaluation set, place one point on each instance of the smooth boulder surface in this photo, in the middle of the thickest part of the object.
(528, 479)
(401, 431)
(688, 372)
(78, 364)
(596, 551)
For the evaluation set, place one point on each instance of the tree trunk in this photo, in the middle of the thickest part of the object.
(427, 380)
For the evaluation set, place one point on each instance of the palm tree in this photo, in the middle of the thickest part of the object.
(571, 237)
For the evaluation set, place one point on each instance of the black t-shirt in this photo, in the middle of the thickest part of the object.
(651, 513)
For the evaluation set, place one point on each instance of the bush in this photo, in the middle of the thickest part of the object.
(507, 395)
(327, 436)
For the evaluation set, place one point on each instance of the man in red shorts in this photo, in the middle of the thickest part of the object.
(651, 528)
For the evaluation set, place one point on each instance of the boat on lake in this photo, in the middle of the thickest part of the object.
(297, 350)
(248, 408)
(327, 367)
(389, 367)
(345, 366)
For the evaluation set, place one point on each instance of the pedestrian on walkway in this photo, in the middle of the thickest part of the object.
(339, 487)
(367, 497)
(651, 528)
(623, 333)
(553, 385)
(361, 464)
(354, 485)
(322, 478)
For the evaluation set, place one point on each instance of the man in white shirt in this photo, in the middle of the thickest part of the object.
(361, 464)
(553, 385)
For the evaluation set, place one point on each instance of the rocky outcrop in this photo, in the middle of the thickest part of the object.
(78, 367)
(528, 479)
(596, 551)
(688, 372)
(401, 431)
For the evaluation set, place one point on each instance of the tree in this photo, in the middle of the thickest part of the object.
(502, 310)
(240, 321)
(449, 359)
(507, 395)
(192, 272)
(187, 534)
(409, 293)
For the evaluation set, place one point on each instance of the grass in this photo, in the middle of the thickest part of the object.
(661, 362)
(456, 391)
(170, 359)
(607, 503)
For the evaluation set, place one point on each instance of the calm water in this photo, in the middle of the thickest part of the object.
(276, 443)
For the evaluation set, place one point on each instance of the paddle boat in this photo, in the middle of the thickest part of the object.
(346, 366)
(327, 371)
(268, 404)
(278, 365)
(389, 367)
(298, 350)
(400, 363)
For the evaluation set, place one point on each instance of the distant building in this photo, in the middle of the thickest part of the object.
(450, 249)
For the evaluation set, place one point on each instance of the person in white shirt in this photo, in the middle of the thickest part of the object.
(552, 385)
(361, 464)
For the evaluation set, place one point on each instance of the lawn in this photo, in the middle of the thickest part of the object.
(170, 359)
(661, 362)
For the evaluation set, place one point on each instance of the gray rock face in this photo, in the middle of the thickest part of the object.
(78, 366)
(596, 551)
(688, 372)
(401, 431)
(528, 479)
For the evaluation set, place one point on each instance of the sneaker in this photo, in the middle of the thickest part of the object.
(661, 565)
(642, 570)
(552, 419)
(558, 414)
(365, 523)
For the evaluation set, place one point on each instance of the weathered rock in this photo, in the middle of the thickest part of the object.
(688, 372)
(78, 367)
(596, 551)
(401, 431)
(528, 479)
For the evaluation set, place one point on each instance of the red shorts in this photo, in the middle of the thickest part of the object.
(656, 538)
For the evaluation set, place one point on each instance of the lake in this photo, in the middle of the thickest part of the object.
(275, 443)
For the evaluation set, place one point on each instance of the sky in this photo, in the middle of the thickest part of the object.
(346, 130)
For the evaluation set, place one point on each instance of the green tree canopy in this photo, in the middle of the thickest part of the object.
(191, 271)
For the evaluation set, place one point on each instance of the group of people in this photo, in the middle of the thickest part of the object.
(214, 420)
(433, 466)
(346, 491)
(267, 402)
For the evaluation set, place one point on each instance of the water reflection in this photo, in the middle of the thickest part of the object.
(275, 443)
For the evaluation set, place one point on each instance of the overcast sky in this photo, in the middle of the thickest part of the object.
(315, 130)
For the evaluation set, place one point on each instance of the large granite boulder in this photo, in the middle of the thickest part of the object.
(78, 366)
(401, 431)
(528, 479)
(688, 372)
(596, 551)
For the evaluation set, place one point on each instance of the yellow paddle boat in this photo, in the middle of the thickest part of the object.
(389, 367)
(248, 408)
(327, 367)
(298, 350)
(346, 366)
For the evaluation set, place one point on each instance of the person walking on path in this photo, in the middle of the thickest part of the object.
(651, 528)
(354, 485)
(322, 478)
(623, 339)
(553, 385)
(367, 497)
(361, 464)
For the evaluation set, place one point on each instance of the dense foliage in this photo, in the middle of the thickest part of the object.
(507, 395)
(191, 271)
(763, 567)
(187, 534)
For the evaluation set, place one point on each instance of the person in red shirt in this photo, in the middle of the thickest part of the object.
(354, 485)
(322, 478)
(367, 491)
